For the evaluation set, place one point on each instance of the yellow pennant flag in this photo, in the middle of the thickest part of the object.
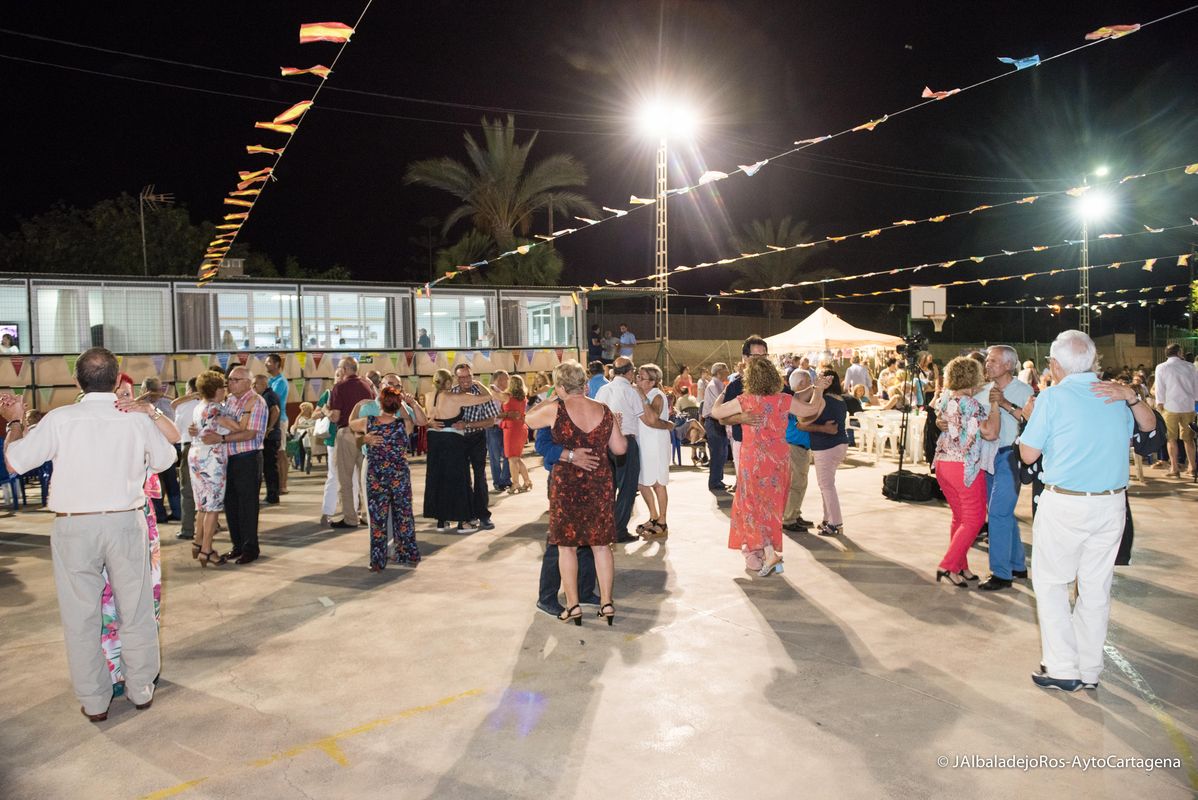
(1036, 248)
(940, 218)
(324, 32)
(835, 239)
(319, 70)
(871, 234)
(977, 259)
(979, 208)
(1183, 261)
(1149, 264)
(251, 181)
(227, 227)
(245, 192)
(873, 123)
(904, 222)
(233, 201)
(238, 215)
(1115, 265)
(258, 173)
(1192, 169)
(1029, 200)
(253, 149)
(270, 126)
(293, 113)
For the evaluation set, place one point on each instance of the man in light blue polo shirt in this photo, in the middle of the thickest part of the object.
(1083, 427)
(278, 385)
(627, 342)
(1002, 486)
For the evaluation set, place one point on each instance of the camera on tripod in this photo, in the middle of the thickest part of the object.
(913, 343)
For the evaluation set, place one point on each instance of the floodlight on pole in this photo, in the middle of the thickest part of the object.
(149, 197)
(1102, 171)
(1091, 207)
(663, 121)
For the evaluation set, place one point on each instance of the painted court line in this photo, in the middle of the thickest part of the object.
(329, 745)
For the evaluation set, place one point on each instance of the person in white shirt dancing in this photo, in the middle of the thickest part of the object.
(625, 400)
(1176, 394)
(99, 523)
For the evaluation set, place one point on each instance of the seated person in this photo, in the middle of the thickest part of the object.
(861, 395)
(685, 400)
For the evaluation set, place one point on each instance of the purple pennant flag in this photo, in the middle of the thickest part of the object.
(159, 363)
(528, 357)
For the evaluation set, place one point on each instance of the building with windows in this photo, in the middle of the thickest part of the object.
(173, 328)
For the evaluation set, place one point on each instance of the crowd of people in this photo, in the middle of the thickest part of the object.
(606, 433)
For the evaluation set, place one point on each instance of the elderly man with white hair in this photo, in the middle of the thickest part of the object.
(1081, 426)
(1002, 486)
(798, 440)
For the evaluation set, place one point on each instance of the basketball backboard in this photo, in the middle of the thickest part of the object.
(928, 301)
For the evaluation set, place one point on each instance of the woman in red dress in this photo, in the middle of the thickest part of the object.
(515, 434)
(581, 504)
(763, 473)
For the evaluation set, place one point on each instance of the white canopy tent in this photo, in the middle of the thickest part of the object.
(822, 331)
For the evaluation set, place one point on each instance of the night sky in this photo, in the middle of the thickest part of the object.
(763, 75)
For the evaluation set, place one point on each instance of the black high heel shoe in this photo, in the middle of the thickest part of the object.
(950, 576)
(609, 617)
(568, 615)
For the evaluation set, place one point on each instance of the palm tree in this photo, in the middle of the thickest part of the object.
(776, 268)
(497, 189)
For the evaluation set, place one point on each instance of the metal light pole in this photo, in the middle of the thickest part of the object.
(1083, 303)
(661, 281)
(149, 196)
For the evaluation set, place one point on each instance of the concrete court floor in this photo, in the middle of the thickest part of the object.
(304, 675)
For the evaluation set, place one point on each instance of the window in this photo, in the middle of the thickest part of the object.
(538, 320)
(224, 318)
(336, 319)
(14, 317)
(450, 320)
(124, 317)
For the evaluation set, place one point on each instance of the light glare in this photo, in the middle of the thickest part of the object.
(1102, 171)
(666, 121)
(1093, 206)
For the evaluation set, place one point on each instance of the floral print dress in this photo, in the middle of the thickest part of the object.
(389, 494)
(208, 462)
(110, 623)
(762, 476)
(582, 504)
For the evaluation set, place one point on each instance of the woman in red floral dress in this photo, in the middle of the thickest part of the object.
(581, 504)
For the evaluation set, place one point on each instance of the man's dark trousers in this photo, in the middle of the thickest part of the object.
(242, 483)
(717, 449)
(476, 452)
(551, 575)
(627, 473)
(270, 464)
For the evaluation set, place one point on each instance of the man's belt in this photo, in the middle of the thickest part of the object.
(1072, 493)
(94, 513)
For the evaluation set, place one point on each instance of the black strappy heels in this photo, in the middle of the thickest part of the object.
(569, 615)
(951, 578)
(609, 617)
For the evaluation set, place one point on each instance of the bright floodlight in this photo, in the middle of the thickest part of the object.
(1093, 206)
(666, 121)
(1102, 171)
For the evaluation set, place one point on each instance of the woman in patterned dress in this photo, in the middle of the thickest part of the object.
(959, 462)
(763, 473)
(388, 480)
(515, 433)
(110, 623)
(207, 463)
(581, 504)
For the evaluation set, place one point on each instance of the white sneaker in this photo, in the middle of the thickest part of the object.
(443, 525)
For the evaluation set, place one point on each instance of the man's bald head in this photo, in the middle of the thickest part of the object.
(622, 366)
(349, 364)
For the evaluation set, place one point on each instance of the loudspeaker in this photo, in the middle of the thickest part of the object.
(904, 485)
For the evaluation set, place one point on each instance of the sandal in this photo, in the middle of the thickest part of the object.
(569, 616)
(195, 549)
(645, 526)
(656, 530)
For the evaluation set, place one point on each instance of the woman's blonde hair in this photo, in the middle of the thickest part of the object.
(516, 388)
(963, 372)
(570, 377)
(762, 377)
(306, 408)
(208, 383)
(442, 380)
(654, 372)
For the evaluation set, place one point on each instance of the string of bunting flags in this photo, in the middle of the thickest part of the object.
(249, 188)
(928, 96)
(1056, 306)
(1076, 191)
(1039, 248)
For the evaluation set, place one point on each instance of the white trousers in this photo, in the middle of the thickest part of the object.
(1075, 538)
(332, 488)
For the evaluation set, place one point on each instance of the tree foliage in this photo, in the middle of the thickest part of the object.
(775, 269)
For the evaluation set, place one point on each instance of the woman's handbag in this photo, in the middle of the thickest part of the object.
(321, 428)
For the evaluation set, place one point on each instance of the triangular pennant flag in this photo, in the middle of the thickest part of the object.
(317, 384)
(204, 360)
(449, 356)
(298, 383)
(19, 391)
(223, 360)
(486, 353)
(302, 358)
(45, 394)
(528, 357)
(71, 363)
(17, 363)
(432, 356)
(409, 356)
(560, 353)
(316, 357)
(159, 363)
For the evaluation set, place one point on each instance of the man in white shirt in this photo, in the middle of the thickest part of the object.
(623, 398)
(151, 392)
(101, 455)
(857, 375)
(1176, 394)
(185, 408)
(717, 436)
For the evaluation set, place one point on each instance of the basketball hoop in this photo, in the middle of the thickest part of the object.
(938, 321)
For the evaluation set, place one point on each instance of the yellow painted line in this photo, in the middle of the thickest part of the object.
(329, 745)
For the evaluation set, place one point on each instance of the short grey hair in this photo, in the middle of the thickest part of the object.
(1009, 355)
(799, 379)
(1074, 351)
(719, 366)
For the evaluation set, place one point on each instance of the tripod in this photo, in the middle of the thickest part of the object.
(906, 485)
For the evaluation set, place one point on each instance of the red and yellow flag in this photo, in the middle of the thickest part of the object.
(293, 113)
(241, 187)
(228, 227)
(254, 149)
(233, 201)
(246, 175)
(247, 192)
(325, 32)
(270, 126)
(319, 70)
(238, 215)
